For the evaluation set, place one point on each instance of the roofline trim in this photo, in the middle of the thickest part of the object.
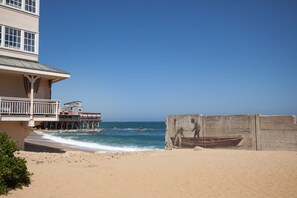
(32, 71)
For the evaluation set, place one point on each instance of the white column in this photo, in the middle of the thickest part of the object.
(22, 40)
(36, 43)
(2, 35)
(37, 7)
(31, 121)
(32, 80)
(23, 4)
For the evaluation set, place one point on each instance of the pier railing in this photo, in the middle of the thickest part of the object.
(91, 116)
(19, 109)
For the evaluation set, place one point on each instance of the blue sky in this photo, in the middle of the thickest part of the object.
(141, 60)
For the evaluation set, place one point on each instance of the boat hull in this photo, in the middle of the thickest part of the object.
(207, 142)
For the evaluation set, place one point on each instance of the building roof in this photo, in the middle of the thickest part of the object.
(72, 102)
(31, 67)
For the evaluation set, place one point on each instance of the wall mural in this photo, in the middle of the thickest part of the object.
(193, 139)
(242, 132)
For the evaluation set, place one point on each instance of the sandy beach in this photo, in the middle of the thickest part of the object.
(171, 173)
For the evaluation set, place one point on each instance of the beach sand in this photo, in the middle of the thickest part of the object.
(173, 173)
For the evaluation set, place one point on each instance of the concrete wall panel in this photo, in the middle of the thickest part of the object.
(278, 122)
(241, 125)
(278, 140)
(257, 132)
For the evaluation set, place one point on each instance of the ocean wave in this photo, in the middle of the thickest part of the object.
(127, 129)
(94, 146)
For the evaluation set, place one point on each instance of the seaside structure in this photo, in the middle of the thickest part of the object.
(72, 117)
(248, 132)
(25, 84)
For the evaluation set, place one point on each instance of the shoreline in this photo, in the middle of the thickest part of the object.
(36, 142)
(68, 130)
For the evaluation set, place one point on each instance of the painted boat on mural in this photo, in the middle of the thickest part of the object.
(208, 142)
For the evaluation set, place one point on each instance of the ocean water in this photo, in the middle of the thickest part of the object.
(115, 137)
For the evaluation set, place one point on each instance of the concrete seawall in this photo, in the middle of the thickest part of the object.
(249, 132)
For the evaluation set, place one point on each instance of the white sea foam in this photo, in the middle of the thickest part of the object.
(91, 146)
(127, 129)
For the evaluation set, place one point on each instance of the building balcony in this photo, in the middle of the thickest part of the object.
(19, 109)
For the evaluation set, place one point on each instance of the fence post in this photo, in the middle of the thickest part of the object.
(57, 109)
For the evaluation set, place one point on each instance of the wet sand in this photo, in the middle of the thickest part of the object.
(37, 143)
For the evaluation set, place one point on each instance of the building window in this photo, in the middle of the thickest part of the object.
(30, 5)
(29, 42)
(12, 38)
(14, 3)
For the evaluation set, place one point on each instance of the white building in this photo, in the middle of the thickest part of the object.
(74, 107)
(25, 84)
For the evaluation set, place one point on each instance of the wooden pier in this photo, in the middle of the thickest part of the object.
(72, 117)
(83, 121)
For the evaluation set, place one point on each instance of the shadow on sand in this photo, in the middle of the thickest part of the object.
(40, 148)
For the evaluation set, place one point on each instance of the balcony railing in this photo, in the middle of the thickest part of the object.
(19, 109)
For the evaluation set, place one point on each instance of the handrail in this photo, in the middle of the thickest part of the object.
(26, 99)
(21, 106)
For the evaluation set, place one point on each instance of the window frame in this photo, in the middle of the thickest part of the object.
(29, 41)
(27, 6)
(14, 3)
(11, 39)
(30, 6)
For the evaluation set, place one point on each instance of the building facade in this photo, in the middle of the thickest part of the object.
(19, 29)
(74, 107)
(25, 84)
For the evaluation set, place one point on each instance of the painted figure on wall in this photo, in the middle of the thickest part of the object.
(196, 129)
(181, 136)
(178, 137)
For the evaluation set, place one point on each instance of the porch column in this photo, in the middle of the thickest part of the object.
(32, 80)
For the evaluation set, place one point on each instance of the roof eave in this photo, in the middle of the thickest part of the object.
(53, 75)
(59, 79)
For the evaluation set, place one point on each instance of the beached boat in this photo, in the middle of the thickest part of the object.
(208, 142)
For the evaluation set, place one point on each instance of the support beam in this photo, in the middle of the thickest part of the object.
(32, 80)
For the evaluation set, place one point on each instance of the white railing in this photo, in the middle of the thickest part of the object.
(45, 107)
(14, 106)
(21, 106)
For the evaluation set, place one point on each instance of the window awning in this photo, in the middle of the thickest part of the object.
(30, 67)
